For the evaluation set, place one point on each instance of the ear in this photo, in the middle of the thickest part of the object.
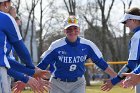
(5, 4)
(134, 20)
(78, 30)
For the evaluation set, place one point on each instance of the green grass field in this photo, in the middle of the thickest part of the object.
(116, 89)
(95, 88)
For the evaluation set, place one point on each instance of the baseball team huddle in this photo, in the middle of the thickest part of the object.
(65, 57)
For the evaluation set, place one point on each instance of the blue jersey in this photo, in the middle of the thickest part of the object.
(9, 33)
(50, 66)
(10, 37)
(69, 58)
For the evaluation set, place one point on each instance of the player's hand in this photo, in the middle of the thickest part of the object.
(121, 83)
(35, 85)
(131, 80)
(45, 84)
(41, 73)
(18, 87)
(107, 85)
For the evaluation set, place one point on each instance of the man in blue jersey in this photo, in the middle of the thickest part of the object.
(10, 36)
(68, 56)
(131, 19)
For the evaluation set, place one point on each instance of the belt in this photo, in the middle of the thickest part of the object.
(67, 80)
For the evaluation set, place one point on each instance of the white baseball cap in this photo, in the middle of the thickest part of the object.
(71, 21)
(129, 16)
(3, 0)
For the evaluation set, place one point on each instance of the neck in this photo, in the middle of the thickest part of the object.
(137, 28)
(1, 8)
(72, 40)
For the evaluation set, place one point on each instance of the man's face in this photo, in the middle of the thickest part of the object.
(130, 23)
(72, 32)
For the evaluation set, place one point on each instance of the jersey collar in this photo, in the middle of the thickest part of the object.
(136, 29)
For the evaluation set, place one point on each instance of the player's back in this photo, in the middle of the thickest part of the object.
(9, 33)
(4, 45)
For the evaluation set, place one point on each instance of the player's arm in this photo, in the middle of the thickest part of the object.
(96, 56)
(125, 69)
(17, 75)
(31, 72)
(110, 71)
(23, 53)
(101, 63)
(108, 84)
(13, 35)
(134, 55)
(46, 60)
(20, 68)
(47, 57)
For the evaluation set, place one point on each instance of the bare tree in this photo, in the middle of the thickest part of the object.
(50, 19)
(41, 30)
(32, 29)
(17, 5)
(97, 13)
(33, 5)
(71, 6)
(42, 24)
(106, 35)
